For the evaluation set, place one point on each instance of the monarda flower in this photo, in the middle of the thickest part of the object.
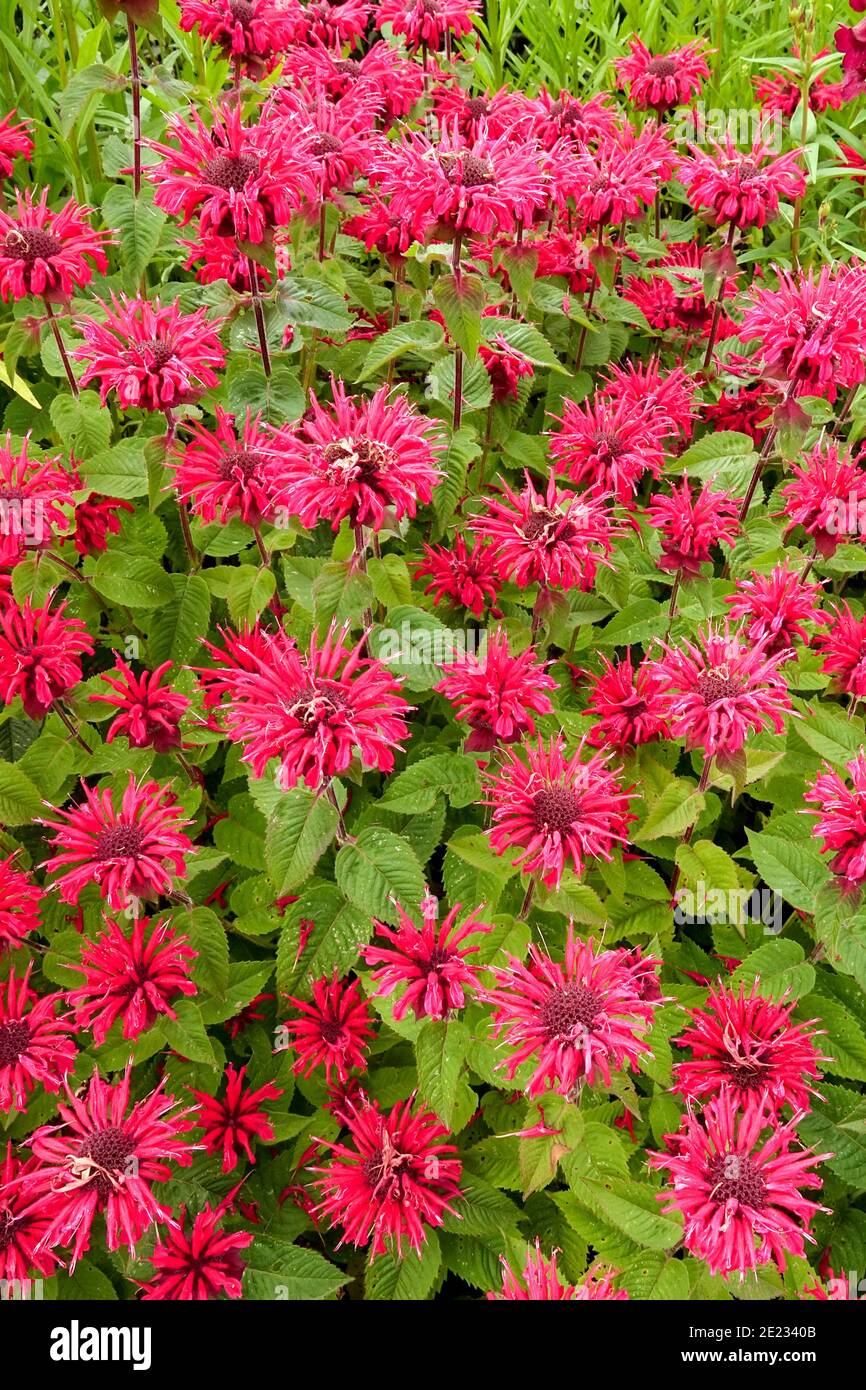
(624, 703)
(577, 1022)
(394, 1179)
(780, 91)
(358, 459)
(16, 138)
(333, 1030)
(150, 711)
(133, 975)
(556, 809)
(540, 1280)
(20, 905)
(748, 1046)
(104, 1156)
(40, 655)
(45, 253)
(230, 1124)
(338, 139)
(313, 711)
(387, 227)
(773, 608)
(617, 180)
(746, 409)
(474, 114)
(737, 1179)
(690, 524)
(332, 23)
(466, 577)
(24, 1219)
(151, 355)
(250, 33)
(608, 446)
(394, 81)
(666, 398)
(426, 24)
(741, 188)
(197, 1259)
(717, 690)
(851, 43)
(671, 296)
(557, 539)
(844, 648)
(36, 500)
(566, 117)
(659, 82)
(430, 960)
(826, 495)
(96, 518)
(810, 331)
(497, 693)
(505, 365)
(841, 821)
(222, 473)
(35, 1046)
(132, 852)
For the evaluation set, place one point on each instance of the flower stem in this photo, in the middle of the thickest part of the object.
(61, 348)
(71, 726)
(458, 353)
(527, 901)
(675, 588)
(342, 837)
(135, 77)
(717, 307)
(770, 440)
(259, 313)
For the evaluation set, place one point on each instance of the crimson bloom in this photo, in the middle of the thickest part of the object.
(659, 82)
(20, 905)
(48, 253)
(540, 1281)
(555, 808)
(577, 1021)
(333, 1030)
(331, 22)
(741, 187)
(35, 1047)
(780, 91)
(338, 136)
(16, 138)
(131, 975)
(497, 693)
(397, 1178)
(841, 822)
(427, 23)
(618, 179)
(197, 1260)
(130, 852)
(249, 32)
(466, 577)
(385, 73)
(671, 296)
(826, 495)
(625, 706)
(430, 960)
(151, 355)
(691, 523)
(223, 473)
(746, 409)
(150, 711)
(607, 446)
(40, 655)
(567, 117)
(810, 330)
(96, 518)
(36, 501)
(666, 397)
(24, 1220)
(773, 608)
(737, 1177)
(232, 1123)
(844, 648)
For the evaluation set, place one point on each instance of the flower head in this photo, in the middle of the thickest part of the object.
(624, 704)
(331, 22)
(197, 1259)
(617, 179)
(223, 473)
(844, 648)
(40, 655)
(466, 577)
(773, 608)
(691, 523)
(426, 23)
(741, 187)
(607, 446)
(251, 33)
(24, 1220)
(47, 253)
(810, 330)
(35, 1046)
(152, 355)
(134, 975)
(497, 693)
(841, 820)
(150, 711)
(36, 501)
(20, 905)
(430, 960)
(670, 294)
(232, 1122)
(658, 82)
(824, 490)
(333, 1030)
(16, 138)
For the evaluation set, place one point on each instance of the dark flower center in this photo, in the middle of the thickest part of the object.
(109, 1149)
(314, 707)
(716, 685)
(555, 809)
(14, 1039)
(610, 444)
(570, 1007)
(745, 1077)
(547, 526)
(119, 842)
(476, 108)
(243, 461)
(331, 1030)
(475, 172)
(230, 171)
(242, 11)
(599, 183)
(325, 143)
(662, 67)
(356, 460)
(160, 353)
(735, 1177)
(384, 1168)
(429, 6)
(31, 244)
(348, 67)
(7, 1230)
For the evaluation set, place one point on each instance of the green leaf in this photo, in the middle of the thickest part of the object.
(96, 78)
(630, 1207)
(186, 1033)
(140, 225)
(637, 623)
(206, 936)
(838, 1126)
(778, 966)
(390, 1279)
(417, 789)
(845, 1043)
(133, 581)
(378, 870)
(678, 807)
(307, 303)
(289, 1273)
(84, 425)
(790, 867)
(460, 303)
(298, 833)
(440, 1051)
(20, 802)
(422, 337)
(524, 338)
(652, 1277)
(337, 933)
(177, 629)
(118, 472)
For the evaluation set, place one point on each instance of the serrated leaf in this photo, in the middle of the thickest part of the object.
(299, 831)
(378, 870)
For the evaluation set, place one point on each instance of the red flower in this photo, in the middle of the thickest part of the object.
(625, 705)
(397, 1180)
(427, 23)
(691, 524)
(23, 1223)
(505, 365)
(617, 179)
(491, 113)
(826, 496)
(314, 712)
(152, 355)
(844, 648)
(130, 853)
(250, 32)
(223, 473)
(541, 1281)
(742, 187)
(331, 23)
(468, 578)
(744, 408)
(232, 1123)
(672, 299)
(607, 445)
(497, 693)
(747, 1046)
(151, 713)
(841, 822)
(40, 655)
(222, 259)
(133, 976)
(48, 253)
(387, 227)
(20, 905)
(577, 1022)
(95, 520)
(15, 138)
(36, 500)
(100, 1158)
(431, 960)
(579, 123)
(811, 331)
(197, 1260)
(659, 82)
(781, 91)
(737, 1180)
(35, 1049)
(774, 608)
(851, 43)
(338, 138)
(334, 1028)
(383, 72)
(553, 538)
(556, 808)
(715, 692)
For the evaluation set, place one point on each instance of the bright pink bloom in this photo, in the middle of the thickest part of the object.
(427, 23)
(134, 975)
(47, 253)
(618, 179)
(152, 355)
(313, 711)
(36, 501)
(35, 1047)
(505, 365)
(334, 1028)
(387, 226)
(396, 1180)
(741, 187)
(671, 297)
(197, 1260)
(16, 138)
(468, 578)
(608, 446)
(430, 960)
(746, 409)
(738, 1179)
(810, 330)
(844, 648)
(232, 1123)
(251, 33)
(338, 138)
(841, 822)
(773, 608)
(20, 905)
(556, 808)
(150, 711)
(385, 73)
(826, 483)
(577, 1022)
(223, 473)
(691, 524)
(666, 398)
(475, 114)
(131, 853)
(24, 1219)
(217, 258)
(497, 693)
(624, 704)
(780, 91)
(331, 22)
(40, 655)
(659, 82)
(566, 117)
(96, 518)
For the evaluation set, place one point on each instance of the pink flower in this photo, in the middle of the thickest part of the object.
(20, 905)
(746, 409)
(497, 693)
(616, 180)
(338, 139)
(607, 446)
(426, 23)
(738, 1179)
(474, 114)
(251, 33)
(841, 822)
(386, 226)
(625, 705)
(231, 1123)
(824, 484)
(691, 524)
(844, 648)
(748, 1046)
(505, 365)
(811, 330)
(385, 73)
(96, 518)
(566, 117)
(131, 853)
(35, 1049)
(48, 253)
(197, 1260)
(223, 473)
(360, 459)
(851, 43)
(40, 655)
(716, 691)
(659, 82)
(775, 606)
(430, 960)
(152, 355)
(23, 1220)
(671, 297)
(150, 712)
(217, 258)
(134, 975)
(780, 91)
(468, 578)
(333, 1030)
(36, 501)
(16, 138)
(741, 187)
(666, 398)
(556, 808)
(331, 23)
(397, 1179)
(577, 1022)
(313, 711)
